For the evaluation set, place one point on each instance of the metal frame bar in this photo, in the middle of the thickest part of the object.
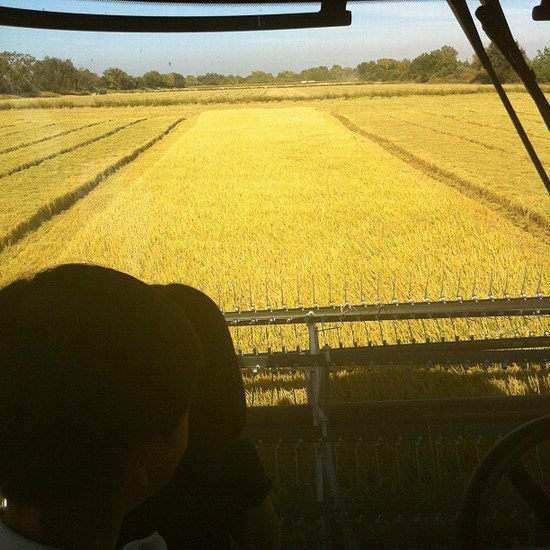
(506, 307)
(16, 17)
(499, 350)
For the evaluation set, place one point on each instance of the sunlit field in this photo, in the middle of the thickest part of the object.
(292, 196)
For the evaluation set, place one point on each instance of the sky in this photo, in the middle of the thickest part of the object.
(379, 29)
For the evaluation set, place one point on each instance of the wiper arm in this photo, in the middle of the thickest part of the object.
(496, 27)
(462, 13)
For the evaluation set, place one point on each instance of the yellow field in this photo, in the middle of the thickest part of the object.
(371, 198)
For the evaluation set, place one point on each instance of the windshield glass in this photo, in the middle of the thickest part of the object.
(338, 168)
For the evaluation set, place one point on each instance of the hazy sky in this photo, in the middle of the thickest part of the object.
(378, 30)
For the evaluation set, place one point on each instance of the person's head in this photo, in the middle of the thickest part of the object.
(218, 413)
(97, 370)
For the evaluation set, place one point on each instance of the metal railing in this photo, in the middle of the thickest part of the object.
(317, 362)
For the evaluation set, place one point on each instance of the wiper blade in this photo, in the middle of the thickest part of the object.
(496, 27)
(464, 17)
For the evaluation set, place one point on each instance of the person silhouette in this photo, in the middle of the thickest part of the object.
(97, 373)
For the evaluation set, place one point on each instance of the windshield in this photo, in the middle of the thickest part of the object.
(343, 167)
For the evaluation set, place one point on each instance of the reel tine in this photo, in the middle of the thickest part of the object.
(252, 308)
(267, 298)
(235, 303)
(426, 296)
(522, 293)
(506, 281)
(299, 302)
(346, 303)
(539, 285)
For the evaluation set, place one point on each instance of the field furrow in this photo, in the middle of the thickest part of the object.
(288, 203)
(47, 138)
(42, 151)
(30, 196)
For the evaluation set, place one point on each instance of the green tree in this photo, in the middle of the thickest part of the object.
(503, 69)
(17, 73)
(116, 79)
(259, 77)
(318, 74)
(541, 64)
(438, 64)
(211, 79)
(56, 75)
(384, 70)
(153, 79)
(86, 80)
(287, 76)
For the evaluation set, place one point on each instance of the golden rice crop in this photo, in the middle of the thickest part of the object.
(286, 386)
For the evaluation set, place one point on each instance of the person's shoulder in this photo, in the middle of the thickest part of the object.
(14, 541)
(152, 542)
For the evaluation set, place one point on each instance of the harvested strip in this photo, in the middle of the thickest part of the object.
(22, 156)
(523, 217)
(39, 140)
(24, 207)
(36, 162)
(483, 125)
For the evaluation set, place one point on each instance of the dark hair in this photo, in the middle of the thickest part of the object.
(218, 412)
(92, 362)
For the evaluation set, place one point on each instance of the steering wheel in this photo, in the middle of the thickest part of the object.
(504, 460)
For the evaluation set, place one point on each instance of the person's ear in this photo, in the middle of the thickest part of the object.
(136, 478)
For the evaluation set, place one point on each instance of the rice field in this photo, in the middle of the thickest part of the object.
(345, 195)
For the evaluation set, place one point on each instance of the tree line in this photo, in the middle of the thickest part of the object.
(22, 74)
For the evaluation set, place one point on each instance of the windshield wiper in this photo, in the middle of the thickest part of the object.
(464, 17)
(496, 27)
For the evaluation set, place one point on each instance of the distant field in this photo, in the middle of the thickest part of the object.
(253, 94)
(422, 193)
